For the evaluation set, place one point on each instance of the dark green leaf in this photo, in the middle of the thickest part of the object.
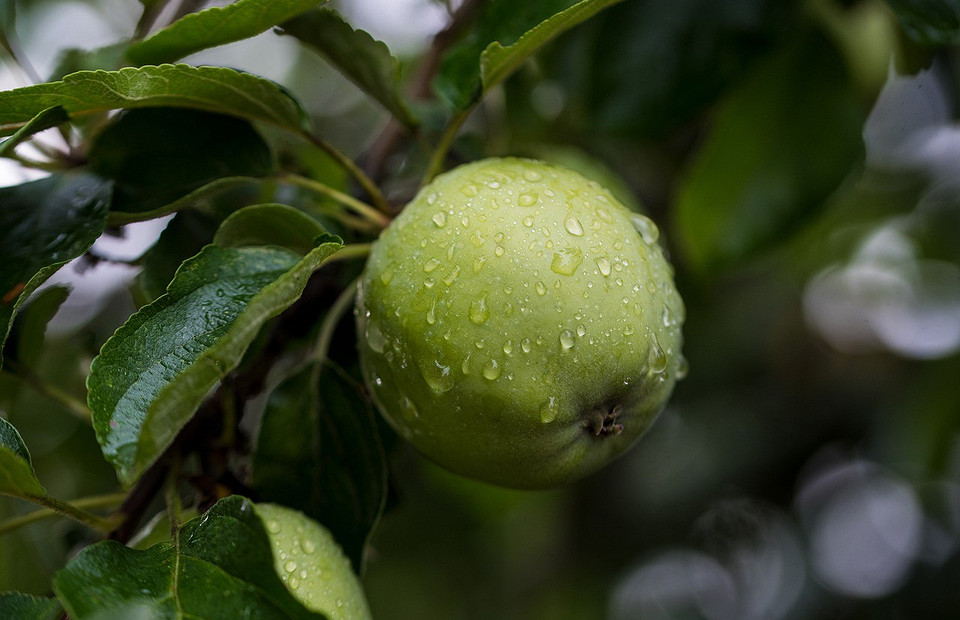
(220, 566)
(16, 469)
(508, 33)
(269, 224)
(184, 236)
(215, 26)
(50, 117)
(780, 146)
(43, 225)
(333, 467)
(644, 68)
(17, 606)
(156, 156)
(226, 186)
(215, 89)
(932, 22)
(72, 60)
(27, 334)
(152, 374)
(364, 60)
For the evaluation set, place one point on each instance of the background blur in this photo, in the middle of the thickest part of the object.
(802, 159)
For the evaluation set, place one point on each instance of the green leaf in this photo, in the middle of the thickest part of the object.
(50, 117)
(17, 606)
(508, 33)
(269, 224)
(25, 343)
(219, 566)
(156, 156)
(43, 225)
(153, 373)
(333, 468)
(215, 26)
(780, 145)
(184, 236)
(16, 469)
(214, 89)
(931, 22)
(497, 61)
(210, 191)
(364, 60)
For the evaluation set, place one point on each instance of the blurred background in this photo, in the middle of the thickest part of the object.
(802, 159)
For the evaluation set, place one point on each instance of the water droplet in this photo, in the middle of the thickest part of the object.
(532, 175)
(387, 274)
(303, 574)
(628, 330)
(440, 219)
(508, 347)
(566, 261)
(465, 221)
(465, 365)
(491, 370)
(645, 226)
(581, 330)
(429, 282)
(656, 359)
(450, 277)
(498, 251)
(526, 345)
(683, 368)
(566, 339)
(374, 337)
(604, 215)
(549, 410)
(541, 288)
(308, 545)
(527, 199)
(432, 314)
(273, 526)
(437, 375)
(480, 343)
(469, 190)
(290, 566)
(479, 312)
(604, 266)
(293, 582)
(493, 184)
(528, 221)
(430, 265)
(573, 226)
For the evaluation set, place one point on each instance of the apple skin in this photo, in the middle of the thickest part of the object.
(518, 325)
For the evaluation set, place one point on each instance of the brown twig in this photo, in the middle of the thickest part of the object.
(420, 85)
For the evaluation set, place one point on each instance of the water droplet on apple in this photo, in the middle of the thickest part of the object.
(549, 410)
(479, 312)
(573, 226)
(491, 370)
(440, 219)
(647, 229)
(566, 261)
(566, 339)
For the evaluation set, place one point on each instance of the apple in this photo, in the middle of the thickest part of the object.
(518, 325)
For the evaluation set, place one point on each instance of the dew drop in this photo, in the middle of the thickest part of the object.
(294, 583)
(573, 226)
(532, 175)
(429, 282)
(527, 199)
(479, 312)
(493, 185)
(491, 370)
(469, 190)
(440, 219)
(273, 526)
(647, 229)
(450, 277)
(549, 410)
(581, 330)
(566, 339)
(308, 545)
(374, 337)
(603, 264)
(683, 368)
(437, 375)
(465, 221)
(478, 264)
(566, 261)
(604, 215)
(430, 265)
(432, 198)
(498, 250)
(628, 330)
(432, 314)
(656, 359)
(290, 566)
(387, 276)
(528, 221)
(465, 365)
(526, 345)
(541, 288)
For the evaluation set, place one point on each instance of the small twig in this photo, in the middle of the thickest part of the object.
(365, 211)
(368, 185)
(439, 156)
(31, 379)
(148, 18)
(96, 522)
(96, 501)
(139, 499)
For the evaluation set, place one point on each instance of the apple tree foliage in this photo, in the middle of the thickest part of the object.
(220, 383)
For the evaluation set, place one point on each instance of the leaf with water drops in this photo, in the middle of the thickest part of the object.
(228, 551)
(333, 467)
(16, 470)
(43, 225)
(153, 373)
(19, 606)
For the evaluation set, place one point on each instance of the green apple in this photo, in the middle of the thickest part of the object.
(518, 324)
(312, 564)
